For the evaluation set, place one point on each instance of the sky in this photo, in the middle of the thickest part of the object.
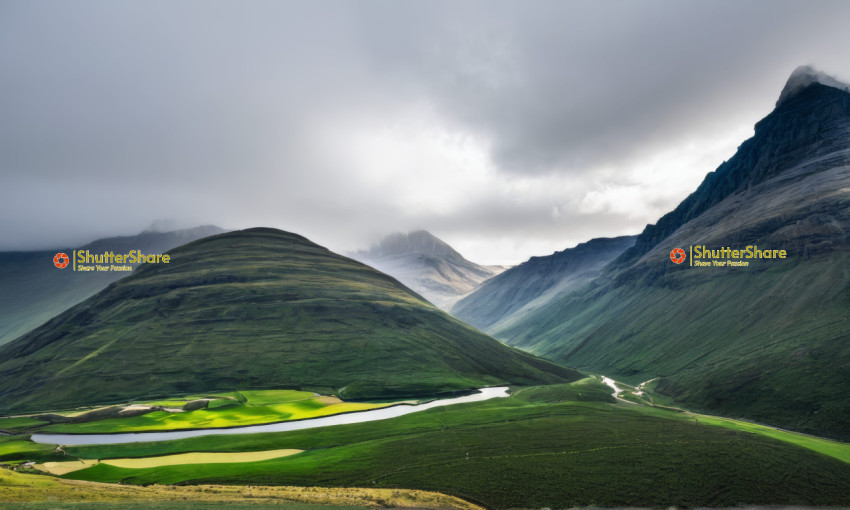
(507, 129)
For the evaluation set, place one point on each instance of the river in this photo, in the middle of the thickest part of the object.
(383, 413)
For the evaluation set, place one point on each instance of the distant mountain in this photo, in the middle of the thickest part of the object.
(33, 290)
(769, 341)
(427, 265)
(257, 308)
(504, 299)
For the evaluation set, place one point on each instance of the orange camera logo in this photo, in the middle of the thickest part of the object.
(677, 255)
(61, 260)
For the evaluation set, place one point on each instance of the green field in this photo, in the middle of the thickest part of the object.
(267, 406)
(11, 424)
(835, 449)
(563, 445)
(662, 405)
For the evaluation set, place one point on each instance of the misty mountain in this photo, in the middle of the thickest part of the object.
(34, 290)
(427, 265)
(506, 298)
(257, 308)
(769, 341)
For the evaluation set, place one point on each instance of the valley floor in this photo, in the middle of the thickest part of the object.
(567, 445)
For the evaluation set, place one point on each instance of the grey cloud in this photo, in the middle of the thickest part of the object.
(220, 112)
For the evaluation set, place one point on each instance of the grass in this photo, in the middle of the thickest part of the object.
(266, 406)
(20, 490)
(660, 405)
(11, 424)
(257, 397)
(21, 449)
(200, 458)
(166, 403)
(840, 451)
(255, 309)
(564, 445)
(544, 446)
(264, 397)
(65, 467)
(769, 344)
(561, 445)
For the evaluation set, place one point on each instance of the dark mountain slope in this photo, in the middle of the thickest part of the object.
(807, 125)
(769, 341)
(258, 308)
(506, 298)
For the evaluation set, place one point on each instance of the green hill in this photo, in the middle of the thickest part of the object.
(258, 308)
(768, 342)
(32, 290)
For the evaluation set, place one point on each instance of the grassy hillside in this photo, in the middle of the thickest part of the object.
(258, 308)
(770, 345)
(769, 341)
(32, 290)
(21, 490)
(557, 446)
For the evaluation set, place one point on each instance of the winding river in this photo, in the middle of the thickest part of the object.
(383, 413)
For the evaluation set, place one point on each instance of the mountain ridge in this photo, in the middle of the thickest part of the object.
(766, 342)
(781, 138)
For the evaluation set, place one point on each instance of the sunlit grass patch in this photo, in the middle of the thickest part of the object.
(276, 406)
(840, 451)
(200, 458)
(65, 467)
(19, 449)
(263, 397)
(166, 403)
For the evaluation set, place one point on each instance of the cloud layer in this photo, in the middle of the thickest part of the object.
(509, 129)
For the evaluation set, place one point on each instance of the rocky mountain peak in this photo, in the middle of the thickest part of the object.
(804, 76)
(811, 122)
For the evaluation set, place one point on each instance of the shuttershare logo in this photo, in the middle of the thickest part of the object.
(703, 256)
(84, 260)
(61, 260)
(677, 255)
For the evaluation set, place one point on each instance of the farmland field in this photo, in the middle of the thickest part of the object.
(267, 406)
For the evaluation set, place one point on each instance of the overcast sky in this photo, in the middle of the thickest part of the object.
(508, 129)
